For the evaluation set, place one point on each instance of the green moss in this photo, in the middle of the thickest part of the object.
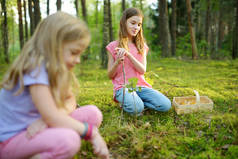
(167, 135)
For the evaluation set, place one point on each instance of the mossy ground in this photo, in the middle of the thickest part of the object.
(168, 135)
(157, 135)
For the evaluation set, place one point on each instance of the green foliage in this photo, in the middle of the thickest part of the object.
(132, 82)
(184, 47)
(183, 43)
(14, 48)
(202, 45)
(150, 27)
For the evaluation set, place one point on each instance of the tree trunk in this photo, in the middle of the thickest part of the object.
(173, 28)
(58, 5)
(37, 13)
(76, 3)
(5, 31)
(84, 10)
(235, 36)
(221, 32)
(181, 20)
(191, 30)
(165, 38)
(96, 13)
(26, 23)
(207, 25)
(123, 5)
(110, 21)
(221, 26)
(30, 10)
(133, 3)
(48, 7)
(12, 14)
(214, 35)
(199, 27)
(21, 32)
(105, 34)
(141, 5)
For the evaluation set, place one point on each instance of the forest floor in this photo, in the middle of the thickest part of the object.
(155, 135)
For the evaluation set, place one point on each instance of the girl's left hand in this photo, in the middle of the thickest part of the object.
(99, 145)
(36, 127)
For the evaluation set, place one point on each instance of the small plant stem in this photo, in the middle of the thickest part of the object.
(134, 105)
(124, 85)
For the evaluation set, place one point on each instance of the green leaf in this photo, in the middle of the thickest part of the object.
(133, 82)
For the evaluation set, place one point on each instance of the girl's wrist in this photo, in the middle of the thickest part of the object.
(94, 132)
(128, 54)
(88, 131)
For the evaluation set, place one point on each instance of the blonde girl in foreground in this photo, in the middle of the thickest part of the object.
(130, 50)
(38, 114)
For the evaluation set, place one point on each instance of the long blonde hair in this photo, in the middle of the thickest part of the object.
(123, 34)
(46, 47)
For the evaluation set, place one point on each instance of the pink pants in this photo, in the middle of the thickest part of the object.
(51, 143)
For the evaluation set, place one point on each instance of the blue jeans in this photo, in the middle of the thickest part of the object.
(134, 102)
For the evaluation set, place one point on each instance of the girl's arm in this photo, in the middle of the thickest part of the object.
(51, 115)
(39, 125)
(140, 66)
(112, 65)
(35, 127)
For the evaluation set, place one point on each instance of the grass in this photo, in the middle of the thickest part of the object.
(157, 135)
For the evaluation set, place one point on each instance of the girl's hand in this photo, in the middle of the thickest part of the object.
(121, 53)
(99, 145)
(36, 127)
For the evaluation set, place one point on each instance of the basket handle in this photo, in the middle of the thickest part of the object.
(197, 96)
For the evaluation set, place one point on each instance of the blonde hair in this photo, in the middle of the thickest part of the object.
(46, 47)
(123, 34)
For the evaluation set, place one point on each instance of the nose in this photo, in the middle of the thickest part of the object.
(137, 27)
(77, 60)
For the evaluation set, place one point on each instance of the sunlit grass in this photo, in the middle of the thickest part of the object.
(167, 135)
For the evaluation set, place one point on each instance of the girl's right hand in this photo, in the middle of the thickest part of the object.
(99, 145)
(35, 128)
(120, 55)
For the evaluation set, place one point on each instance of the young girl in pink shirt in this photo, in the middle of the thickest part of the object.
(127, 59)
(38, 114)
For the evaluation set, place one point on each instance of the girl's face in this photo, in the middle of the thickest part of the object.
(133, 25)
(72, 52)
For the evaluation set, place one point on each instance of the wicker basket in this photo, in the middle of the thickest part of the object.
(184, 105)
